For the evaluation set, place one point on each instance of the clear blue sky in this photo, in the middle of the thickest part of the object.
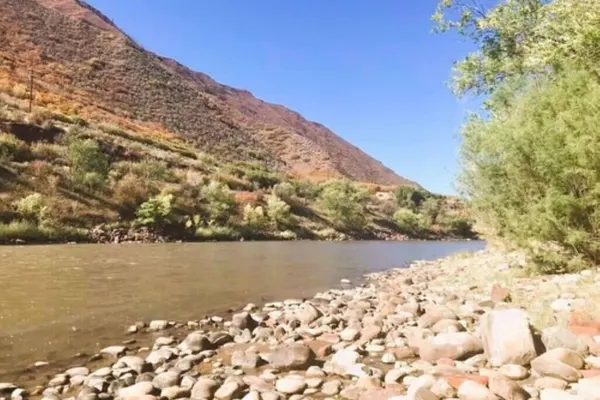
(371, 71)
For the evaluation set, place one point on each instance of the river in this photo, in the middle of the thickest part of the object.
(58, 300)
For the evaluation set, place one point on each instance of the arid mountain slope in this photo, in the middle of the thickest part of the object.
(84, 64)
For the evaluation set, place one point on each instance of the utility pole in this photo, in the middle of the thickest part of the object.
(30, 90)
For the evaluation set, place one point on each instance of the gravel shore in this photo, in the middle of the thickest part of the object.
(471, 327)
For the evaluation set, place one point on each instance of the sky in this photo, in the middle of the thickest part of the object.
(370, 70)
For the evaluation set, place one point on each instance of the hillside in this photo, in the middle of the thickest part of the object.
(83, 64)
(123, 145)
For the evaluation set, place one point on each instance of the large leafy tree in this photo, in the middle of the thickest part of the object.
(530, 160)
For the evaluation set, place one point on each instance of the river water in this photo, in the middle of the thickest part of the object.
(58, 300)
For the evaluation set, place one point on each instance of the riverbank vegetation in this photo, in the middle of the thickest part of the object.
(66, 178)
(531, 156)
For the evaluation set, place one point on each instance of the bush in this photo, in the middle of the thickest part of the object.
(12, 148)
(217, 233)
(47, 151)
(89, 164)
(532, 169)
(261, 179)
(307, 189)
(409, 197)
(130, 192)
(31, 232)
(285, 191)
(156, 212)
(409, 222)
(277, 210)
(255, 217)
(345, 204)
(33, 208)
(153, 170)
(221, 201)
(430, 208)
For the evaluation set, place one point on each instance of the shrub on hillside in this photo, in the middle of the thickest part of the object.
(89, 164)
(430, 208)
(12, 148)
(345, 204)
(307, 189)
(255, 217)
(261, 179)
(220, 200)
(156, 212)
(130, 192)
(278, 210)
(409, 197)
(409, 222)
(284, 190)
(33, 208)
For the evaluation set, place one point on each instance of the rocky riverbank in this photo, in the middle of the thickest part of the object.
(470, 327)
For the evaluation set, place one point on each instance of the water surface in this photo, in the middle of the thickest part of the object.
(58, 300)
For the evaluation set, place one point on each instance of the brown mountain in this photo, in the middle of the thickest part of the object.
(82, 63)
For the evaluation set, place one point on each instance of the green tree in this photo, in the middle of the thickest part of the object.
(533, 175)
(255, 217)
(221, 202)
(278, 210)
(345, 203)
(409, 222)
(156, 212)
(89, 164)
(431, 209)
(33, 208)
(409, 197)
(518, 38)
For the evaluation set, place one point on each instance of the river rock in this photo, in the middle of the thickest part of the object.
(291, 384)
(158, 325)
(435, 313)
(218, 339)
(556, 394)
(7, 388)
(242, 359)
(506, 389)
(350, 334)
(77, 371)
(195, 342)
(514, 371)
(507, 338)
(138, 364)
(174, 392)
(589, 388)
(560, 337)
(471, 390)
(455, 346)
(331, 388)
(548, 382)
(137, 390)
(555, 369)
(307, 313)
(229, 390)
(114, 351)
(291, 356)
(160, 356)
(342, 361)
(442, 389)
(204, 389)
(243, 321)
(166, 379)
